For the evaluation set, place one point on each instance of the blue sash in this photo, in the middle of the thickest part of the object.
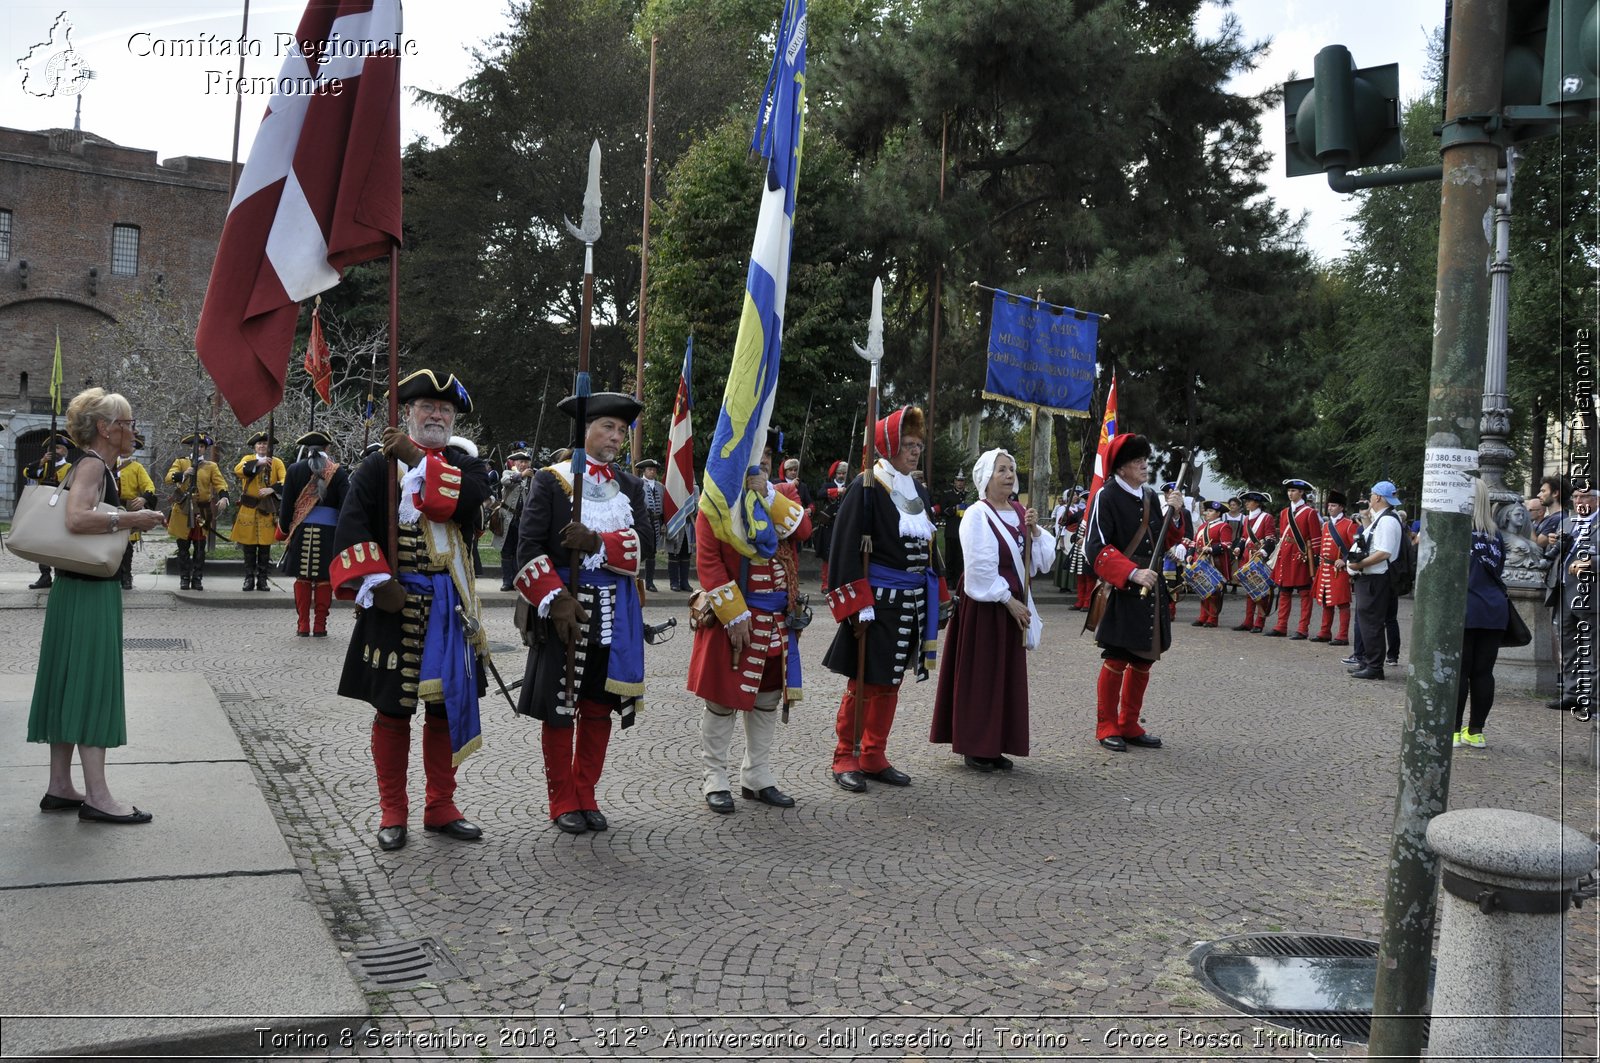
(879, 575)
(777, 602)
(450, 659)
(625, 673)
(326, 515)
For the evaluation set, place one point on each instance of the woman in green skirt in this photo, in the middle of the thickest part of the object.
(77, 693)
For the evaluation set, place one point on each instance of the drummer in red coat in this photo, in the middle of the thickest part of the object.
(1255, 543)
(747, 663)
(1213, 542)
(1299, 536)
(1331, 589)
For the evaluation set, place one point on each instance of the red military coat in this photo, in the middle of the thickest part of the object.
(1293, 568)
(713, 673)
(1215, 536)
(1332, 585)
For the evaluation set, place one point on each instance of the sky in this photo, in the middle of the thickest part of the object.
(164, 72)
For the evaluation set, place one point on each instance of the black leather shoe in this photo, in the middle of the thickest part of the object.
(1367, 673)
(507, 587)
(1319, 638)
(1147, 740)
(1003, 763)
(720, 801)
(1197, 623)
(768, 795)
(392, 838)
(1297, 637)
(892, 775)
(1338, 642)
(90, 814)
(573, 823)
(1115, 742)
(264, 587)
(1256, 630)
(458, 829)
(249, 585)
(979, 763)
(1241, 627)
(1274, 633)
(596, 819)
(303, 634)
(1559, 704)
(850, 780)
(52, 803)
(42, 583)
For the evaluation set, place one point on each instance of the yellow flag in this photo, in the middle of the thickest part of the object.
(55, 376)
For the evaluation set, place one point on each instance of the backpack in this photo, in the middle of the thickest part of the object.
(1403, 566)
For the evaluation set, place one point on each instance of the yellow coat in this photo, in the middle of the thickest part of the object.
(133, 481)
(210, 486)
(53, 475)
(251, 527)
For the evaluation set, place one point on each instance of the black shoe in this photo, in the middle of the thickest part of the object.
(90, 814)
(1352, 659)
(1256, 630)
(1241, 627)
(768, 795)
(1297, 637)
(52, 803)
(392, 838)
(40, 584)
(1115, 742)
(1338, 642)
(650, 586)
(572, 823)
(249, 585)
(197, 586)
(1391, 661)
(596, 819)
(891, 775)
(127, 584)
(263, 587)
(1197, 623)
(458, 829)
(507, 587)
(319, 634)
(1562, 704)
(850, 780)
(1147, 740)
(1003, 763)
(1274, 633)
(1319, 638)
(303, 634)
(720, 801)
(183, 585)
(1367, 673)
(979, 763)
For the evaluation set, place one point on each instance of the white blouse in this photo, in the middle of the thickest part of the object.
(981, 553)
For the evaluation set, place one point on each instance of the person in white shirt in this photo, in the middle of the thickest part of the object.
(1370, 577)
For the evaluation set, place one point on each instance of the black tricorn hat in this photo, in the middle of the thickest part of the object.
(58, 440)
(775, 440)
(647, 463)
(1258, 497)
(603, 404)
(372, 448)
(262, 437)
(314, 438)
(519, 455)
(425, 384)
(194, 437)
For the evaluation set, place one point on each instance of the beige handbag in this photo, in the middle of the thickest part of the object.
(39, 532)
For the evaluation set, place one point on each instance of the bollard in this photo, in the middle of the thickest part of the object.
(1507, 881)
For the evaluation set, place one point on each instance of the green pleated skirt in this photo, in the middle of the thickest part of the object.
(77, 693)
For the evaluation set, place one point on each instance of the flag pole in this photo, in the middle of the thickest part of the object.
(637, 447)
(393, 504)
(873, 353)
(589, 233)
(238, 107)
(938, 302)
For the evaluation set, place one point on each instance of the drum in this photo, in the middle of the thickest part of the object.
(1256, 579)
(1202, 579)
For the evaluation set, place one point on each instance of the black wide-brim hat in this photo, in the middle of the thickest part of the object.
(1337, 498)
(1213, 507)
(603, 404)
(1301, 484)
(647, 463)
(58, 440)
(314, 438)
(262, 437)
(775, 440)
(519, 455)
(426, 384)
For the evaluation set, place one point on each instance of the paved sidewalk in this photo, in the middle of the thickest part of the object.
(1060, 900)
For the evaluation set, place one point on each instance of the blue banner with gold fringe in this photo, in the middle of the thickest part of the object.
(1041, 355)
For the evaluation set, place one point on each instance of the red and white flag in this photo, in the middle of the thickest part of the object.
(320, 191)
(679, 481)
(319, 361)
(1108, 432)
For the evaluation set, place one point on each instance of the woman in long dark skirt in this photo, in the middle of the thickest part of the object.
(981, 708)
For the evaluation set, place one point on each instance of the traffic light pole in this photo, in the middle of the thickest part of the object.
(1470, 161)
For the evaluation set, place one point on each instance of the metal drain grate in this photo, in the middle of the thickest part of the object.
(229, 697)
(1316, 983)
(155, 644)
(403, 963)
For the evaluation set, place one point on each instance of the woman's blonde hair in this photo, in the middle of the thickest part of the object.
(1482, 508)
(88, 408)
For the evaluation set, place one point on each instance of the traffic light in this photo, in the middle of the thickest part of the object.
(1342, 118)
(1572, 52)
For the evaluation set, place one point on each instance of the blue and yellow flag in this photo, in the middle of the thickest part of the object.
(55, 377)
(753, 375)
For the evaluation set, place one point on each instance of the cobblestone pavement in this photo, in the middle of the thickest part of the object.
(1061, 899)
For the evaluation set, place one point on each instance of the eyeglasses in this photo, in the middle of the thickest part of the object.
(129, 423)
(427, 406)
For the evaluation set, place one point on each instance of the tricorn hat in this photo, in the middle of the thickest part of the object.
(1301, 484)
(603, 404)
(196, 437)
(1213, 506)
(262, 437)
(315, 439)
(426, 384)
(519, 455)
(775, 440)
(647, 463)
(58, 440)
(1258, 497)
